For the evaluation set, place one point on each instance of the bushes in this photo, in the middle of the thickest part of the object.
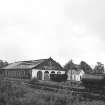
(9, 94)
(58, 77)
(47, 98)
(34, 80)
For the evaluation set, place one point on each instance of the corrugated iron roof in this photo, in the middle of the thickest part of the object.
(27, 64)
(24, 64)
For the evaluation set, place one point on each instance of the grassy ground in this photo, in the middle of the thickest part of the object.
(24, 95)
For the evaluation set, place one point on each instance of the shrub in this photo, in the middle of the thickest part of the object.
(34, 80)
(9, 94)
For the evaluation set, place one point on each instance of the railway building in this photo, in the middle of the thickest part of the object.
(40, 69)
(73, 71)
(75, 74)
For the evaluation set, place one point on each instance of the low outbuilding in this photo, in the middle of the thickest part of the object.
(75, 74)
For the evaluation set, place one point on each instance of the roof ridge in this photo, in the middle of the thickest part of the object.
(32, 60)
(22, 63)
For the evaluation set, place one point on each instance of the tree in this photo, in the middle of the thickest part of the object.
(69, 65)
(3, 63)
(99, 68)
(86, 67)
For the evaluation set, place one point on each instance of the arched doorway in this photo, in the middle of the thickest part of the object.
(53, 72)
(80, 77)
(58, 72)
(39, 75)
(46, 75)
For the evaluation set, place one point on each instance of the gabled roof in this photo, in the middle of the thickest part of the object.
(26, 64)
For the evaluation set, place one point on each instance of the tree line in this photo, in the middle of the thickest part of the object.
(98, 69)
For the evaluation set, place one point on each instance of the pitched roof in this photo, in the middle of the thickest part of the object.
(27, 64)
(24, 64)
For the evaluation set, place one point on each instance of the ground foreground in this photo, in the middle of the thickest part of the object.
(18, 93)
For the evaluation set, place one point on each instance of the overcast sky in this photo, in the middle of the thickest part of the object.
(62, 29)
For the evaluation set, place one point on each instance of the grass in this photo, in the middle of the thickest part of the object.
(24, 95)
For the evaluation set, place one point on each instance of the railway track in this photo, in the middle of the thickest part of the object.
(94, 94)
(54, 87)
(85, 92)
